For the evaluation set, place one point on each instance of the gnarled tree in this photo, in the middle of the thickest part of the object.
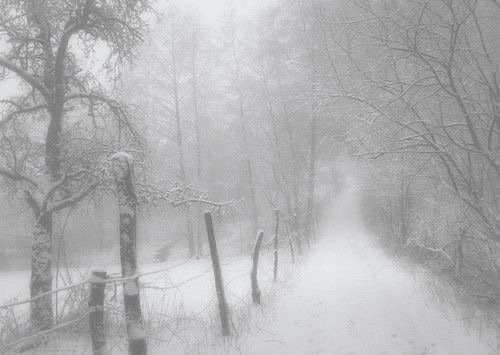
(55, 162)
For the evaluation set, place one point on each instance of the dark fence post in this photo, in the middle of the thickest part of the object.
(276, 228)
(123, 172)
(219, 286)
(255, 264)
(96, 316)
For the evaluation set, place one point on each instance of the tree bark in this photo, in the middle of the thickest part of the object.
(251, 182)
(459, 255)
(42, 317)
(276, 228)
(197, 123)
(294, 158)
(291, 250)
(123, 171)
(180, 152)
(403, 212)
(311, 181)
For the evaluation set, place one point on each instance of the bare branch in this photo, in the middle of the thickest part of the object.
(17, 175)
(27, 77)
(20, 111)
(77, 197)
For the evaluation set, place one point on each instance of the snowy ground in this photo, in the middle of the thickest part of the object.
(349, 298)
(179, 305)
(345, 297)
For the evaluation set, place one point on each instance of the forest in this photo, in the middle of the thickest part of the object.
(136, 133)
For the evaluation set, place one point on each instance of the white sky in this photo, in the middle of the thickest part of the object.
(211, 11)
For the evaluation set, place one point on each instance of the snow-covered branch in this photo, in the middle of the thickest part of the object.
(57, 184)
(17, 175)
(175, 195)
(27, 77)
(61, 204)
(20, 110)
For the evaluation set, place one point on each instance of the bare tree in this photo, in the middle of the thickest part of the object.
(238, 84)
(426, 76)
(42, 39)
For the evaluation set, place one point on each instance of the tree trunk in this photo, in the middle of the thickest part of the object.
(251, 182)
(41, 274)
(195, 110)
(180, 152)
(197, 124)
(404, 210)
(291, 250)
(459, 255)
(295, 161)
(123, 170)
(190, 233)
(298, 240)
(276, 229)
(497, 281)
(311, 176)
(41, 314)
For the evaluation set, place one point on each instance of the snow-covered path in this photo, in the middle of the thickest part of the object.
(352, 299)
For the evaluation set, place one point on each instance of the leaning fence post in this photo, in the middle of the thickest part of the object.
(127, 199)
(219, 286)
(96, 315)
(255, 264)
(276, 227)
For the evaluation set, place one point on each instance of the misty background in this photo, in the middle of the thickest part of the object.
(387, 109)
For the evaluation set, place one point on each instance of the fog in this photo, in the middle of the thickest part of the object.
(231, 177)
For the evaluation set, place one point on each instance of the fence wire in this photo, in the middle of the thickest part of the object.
(12, 327)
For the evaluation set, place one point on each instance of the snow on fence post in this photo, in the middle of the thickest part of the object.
(219, 286)
(255, 264)
(127, 200)
(96, 315)
(276, 228)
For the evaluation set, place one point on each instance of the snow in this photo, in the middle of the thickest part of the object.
(95, 278)
(136, 331)
(131, 288)
(345, 297)
(122, 156)
(352, 299)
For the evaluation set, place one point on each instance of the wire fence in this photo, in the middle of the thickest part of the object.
(72, 310)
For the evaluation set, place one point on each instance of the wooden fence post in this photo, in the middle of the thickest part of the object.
(219, 286)
(276, 228)
(96, 316)
(255, 264)
(123, 172)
